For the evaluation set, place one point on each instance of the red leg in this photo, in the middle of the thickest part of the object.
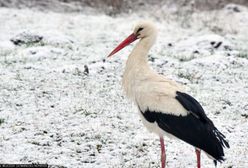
(198, 156)
(163, 155)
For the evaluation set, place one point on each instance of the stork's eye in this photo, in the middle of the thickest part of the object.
(141, 28)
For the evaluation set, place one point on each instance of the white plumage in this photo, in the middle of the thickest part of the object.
(144, 86)
(164, 107)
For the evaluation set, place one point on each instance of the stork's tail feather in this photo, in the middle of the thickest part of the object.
(221, 143)
(221, 138)
(215, 163)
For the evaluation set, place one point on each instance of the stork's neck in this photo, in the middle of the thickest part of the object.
(138, 57)
(137, 67)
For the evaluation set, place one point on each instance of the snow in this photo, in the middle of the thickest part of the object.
(56, 113)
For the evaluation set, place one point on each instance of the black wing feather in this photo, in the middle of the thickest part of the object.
(191, 105)
(195, 128)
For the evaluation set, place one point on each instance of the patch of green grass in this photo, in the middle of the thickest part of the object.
(1, 121)
(243, 54)
(84, 112)
(183, 58)
(185, 76)
(34, 44)
(192, 77)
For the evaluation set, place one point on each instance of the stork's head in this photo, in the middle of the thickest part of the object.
(143, 29)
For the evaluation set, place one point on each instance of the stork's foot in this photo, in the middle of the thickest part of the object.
(198, 156)
(163, 155)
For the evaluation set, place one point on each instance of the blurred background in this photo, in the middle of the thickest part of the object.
(116, 6)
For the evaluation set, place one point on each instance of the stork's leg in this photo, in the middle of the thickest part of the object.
(163, 155)
(198, 156)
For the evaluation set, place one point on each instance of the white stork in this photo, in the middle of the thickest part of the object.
(163, 106)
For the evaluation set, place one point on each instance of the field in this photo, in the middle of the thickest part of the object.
(61, 100)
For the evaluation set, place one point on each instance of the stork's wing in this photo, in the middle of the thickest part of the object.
(194, 128)
(192, 106)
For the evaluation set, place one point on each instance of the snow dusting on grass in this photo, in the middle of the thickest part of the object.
(61, 100)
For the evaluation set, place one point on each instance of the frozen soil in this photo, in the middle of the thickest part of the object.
(61, 100)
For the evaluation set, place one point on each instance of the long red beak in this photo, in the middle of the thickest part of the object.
(131, 38)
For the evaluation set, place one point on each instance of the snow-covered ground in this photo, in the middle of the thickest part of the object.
(52, 110)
